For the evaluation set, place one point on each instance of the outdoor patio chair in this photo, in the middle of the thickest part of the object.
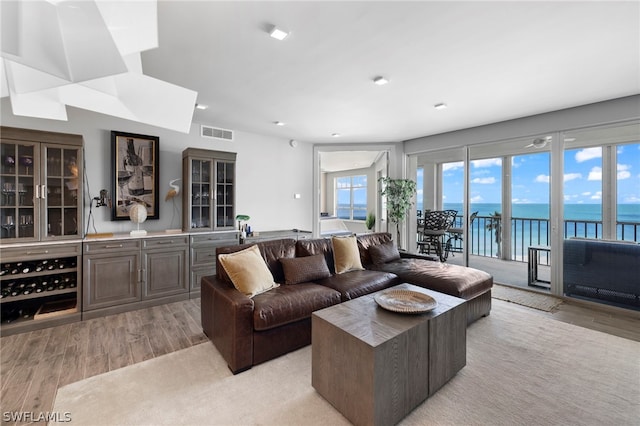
(456, 234)
(436, 224)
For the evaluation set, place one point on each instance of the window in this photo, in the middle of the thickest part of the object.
(351, 197)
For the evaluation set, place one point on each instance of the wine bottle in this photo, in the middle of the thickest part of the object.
(26, 268)
(15, 269)
(40, 266)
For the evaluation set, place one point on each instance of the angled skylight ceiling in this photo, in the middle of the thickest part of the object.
(86, 54)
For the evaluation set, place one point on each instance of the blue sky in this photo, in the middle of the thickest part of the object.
(530, 178)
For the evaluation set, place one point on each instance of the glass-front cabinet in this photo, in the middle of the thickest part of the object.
(41, 184)
(208, 201)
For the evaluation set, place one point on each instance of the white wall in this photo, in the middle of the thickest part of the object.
(269, 172)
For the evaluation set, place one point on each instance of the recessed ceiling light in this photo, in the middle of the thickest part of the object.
(380, 81)
(278, 123)
(335, 135)
(440, 106)
(278, 34)
(569, 139)
(200, 106)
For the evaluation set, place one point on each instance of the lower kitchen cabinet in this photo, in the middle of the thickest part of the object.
(203, 255)
(126, 274)
(39, 286)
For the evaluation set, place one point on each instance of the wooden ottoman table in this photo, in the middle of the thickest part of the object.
(375, 366)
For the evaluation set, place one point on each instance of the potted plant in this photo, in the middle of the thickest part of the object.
(370, 222)
(399, 193)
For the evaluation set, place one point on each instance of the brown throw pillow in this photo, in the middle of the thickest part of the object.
(383, 253)
(248, 271)
(346, 255)
(304, 269)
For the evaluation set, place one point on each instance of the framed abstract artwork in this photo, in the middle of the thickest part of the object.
(135, 163)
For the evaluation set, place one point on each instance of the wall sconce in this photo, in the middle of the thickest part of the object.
(103, 200)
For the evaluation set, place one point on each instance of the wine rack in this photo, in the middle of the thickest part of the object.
(36, 277)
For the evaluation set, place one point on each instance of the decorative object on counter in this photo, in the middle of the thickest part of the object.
(138, 214)
(243, 230)
(135, 171)
(173, 191)
(171, 194)
(399, 194)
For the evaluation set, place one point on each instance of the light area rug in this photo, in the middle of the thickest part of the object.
(522, 369)
(530, 299)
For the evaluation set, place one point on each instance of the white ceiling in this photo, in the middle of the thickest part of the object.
(336, 161)
(488, 61)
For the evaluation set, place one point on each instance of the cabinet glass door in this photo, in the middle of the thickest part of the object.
(201, 175)
(18, 178)
(225, 171)
(62, 189)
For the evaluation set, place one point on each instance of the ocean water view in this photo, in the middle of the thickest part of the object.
(583, 212)
(529, 225)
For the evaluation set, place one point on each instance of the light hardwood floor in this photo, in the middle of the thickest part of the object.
(34, 365)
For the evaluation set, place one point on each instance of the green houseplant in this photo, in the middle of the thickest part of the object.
(370, 222)
(399, 193)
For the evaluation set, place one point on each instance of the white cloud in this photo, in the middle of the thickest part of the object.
(477, 199)
(452, 166)
(588, 154)
(543, 178)
(521, 201)
(632, 199)
(623, 171)
(624, 175)
(489, 162)
(572, 176)
(597, 196)
(595, 174)
(484, 181)
(586, 194)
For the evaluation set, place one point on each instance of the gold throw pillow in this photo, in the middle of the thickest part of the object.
(248, 271)
(346, 255)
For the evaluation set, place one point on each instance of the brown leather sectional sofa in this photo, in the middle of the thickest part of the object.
(249, 331)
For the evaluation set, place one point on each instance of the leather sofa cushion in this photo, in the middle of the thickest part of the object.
(317, 246)
(446, 278)
(304, 269)
(290, 303)
(357, 283)
(366, 241)
(383, 253)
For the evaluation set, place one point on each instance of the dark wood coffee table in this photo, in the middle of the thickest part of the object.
(375, 366)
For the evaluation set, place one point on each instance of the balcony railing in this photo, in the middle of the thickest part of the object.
(526, 232)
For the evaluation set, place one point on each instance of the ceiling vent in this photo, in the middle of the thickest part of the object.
(216, 133)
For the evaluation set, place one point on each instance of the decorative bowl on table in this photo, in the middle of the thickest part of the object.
(405, 301)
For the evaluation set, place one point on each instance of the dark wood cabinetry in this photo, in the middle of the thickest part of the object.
(41, 286)
(41, 183)
(124, 274)
(40, 215)
(208, 197)
(203, 255)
